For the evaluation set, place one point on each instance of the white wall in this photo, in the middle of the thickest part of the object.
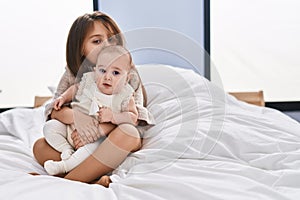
(255, 45)
(33, 35)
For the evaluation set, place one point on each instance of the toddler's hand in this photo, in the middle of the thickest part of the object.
(58, 103)
(105, 115)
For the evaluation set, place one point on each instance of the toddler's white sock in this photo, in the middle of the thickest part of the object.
(66, 154)
(54, 167)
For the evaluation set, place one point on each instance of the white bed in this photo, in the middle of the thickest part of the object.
(205, 145)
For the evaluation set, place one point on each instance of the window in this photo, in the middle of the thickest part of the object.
(255, 46)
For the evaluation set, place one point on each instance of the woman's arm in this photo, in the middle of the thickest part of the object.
(65, 82)
(69, 94)
(65, 97)
(64, 114)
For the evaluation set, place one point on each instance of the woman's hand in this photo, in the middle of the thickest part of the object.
(86, 126)
(76, 140)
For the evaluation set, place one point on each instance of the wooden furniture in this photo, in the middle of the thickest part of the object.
(40, 100)
(256, 98)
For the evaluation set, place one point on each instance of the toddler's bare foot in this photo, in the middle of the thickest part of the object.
(104, 181)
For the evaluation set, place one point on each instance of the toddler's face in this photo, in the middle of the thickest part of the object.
(112, 73)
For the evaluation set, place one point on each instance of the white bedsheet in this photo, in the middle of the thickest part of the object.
(205, 145)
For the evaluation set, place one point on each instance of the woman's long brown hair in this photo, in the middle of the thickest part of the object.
(78, 32)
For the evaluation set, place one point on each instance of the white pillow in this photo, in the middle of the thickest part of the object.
(52, 89)
(184, 105)
(181, 102)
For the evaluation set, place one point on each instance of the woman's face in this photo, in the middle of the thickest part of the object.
(95, 38)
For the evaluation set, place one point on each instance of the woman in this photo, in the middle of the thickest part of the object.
(87, 34)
